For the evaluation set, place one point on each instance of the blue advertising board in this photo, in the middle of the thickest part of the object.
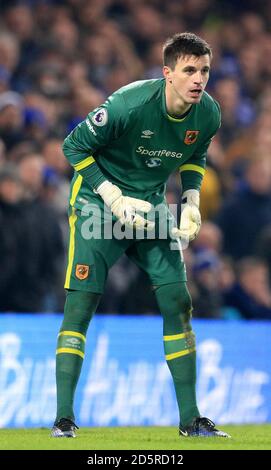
(125, 379)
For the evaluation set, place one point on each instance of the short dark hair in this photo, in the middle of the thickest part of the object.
(182, 44)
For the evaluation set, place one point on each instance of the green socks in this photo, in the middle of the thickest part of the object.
(79, 309)
(179, 345)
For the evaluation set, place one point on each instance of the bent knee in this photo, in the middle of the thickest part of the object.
(175, 300)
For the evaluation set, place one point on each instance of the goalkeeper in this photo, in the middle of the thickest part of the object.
(123, 154)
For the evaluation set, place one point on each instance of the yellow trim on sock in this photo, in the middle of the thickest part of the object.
(72, 333)
(84, 163)
(169, 357)
(70, 351)
(174, 337)
(76, 189)
(72, 220)
(191, 167)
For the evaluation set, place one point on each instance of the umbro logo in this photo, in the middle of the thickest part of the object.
(147, 134)
(73, 341)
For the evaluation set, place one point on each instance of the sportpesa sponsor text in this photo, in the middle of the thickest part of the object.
(158, 153)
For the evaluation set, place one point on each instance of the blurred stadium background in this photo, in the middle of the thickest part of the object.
(58, 60)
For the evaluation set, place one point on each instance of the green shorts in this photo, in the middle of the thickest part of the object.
(89, 260)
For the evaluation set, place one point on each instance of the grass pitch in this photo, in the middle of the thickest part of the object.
(246, 437)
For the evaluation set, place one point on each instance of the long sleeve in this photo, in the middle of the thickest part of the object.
(102, 125)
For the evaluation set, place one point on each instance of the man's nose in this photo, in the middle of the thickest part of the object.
(198, 77)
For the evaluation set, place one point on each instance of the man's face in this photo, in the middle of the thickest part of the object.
(189, 77)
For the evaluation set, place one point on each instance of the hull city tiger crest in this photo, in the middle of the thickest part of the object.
(191, 137)
(82, 271)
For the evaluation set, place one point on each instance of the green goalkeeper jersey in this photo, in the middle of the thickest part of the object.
(133, 142)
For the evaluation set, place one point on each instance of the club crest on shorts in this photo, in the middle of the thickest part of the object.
(82, 271)
(100, 117)
(190, 137)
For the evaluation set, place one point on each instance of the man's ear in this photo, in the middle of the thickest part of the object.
(167, 72)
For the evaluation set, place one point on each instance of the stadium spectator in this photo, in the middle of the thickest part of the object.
(251, 295)
(31, 250)
(9, 53)
(208, 298)
(11, 118)
(248, 211)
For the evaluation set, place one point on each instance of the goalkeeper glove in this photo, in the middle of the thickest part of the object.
(124, 207)
(190, 216)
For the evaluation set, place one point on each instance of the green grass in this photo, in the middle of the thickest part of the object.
(136, 438)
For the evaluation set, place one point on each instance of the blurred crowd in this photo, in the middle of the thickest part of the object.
(60, 59)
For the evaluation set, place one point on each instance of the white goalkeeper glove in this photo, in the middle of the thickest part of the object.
(124, 207)
(190, 216)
